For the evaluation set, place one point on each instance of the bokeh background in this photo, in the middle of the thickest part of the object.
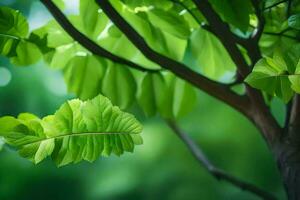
(161, 168)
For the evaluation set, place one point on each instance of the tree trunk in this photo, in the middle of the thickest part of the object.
(288, 159)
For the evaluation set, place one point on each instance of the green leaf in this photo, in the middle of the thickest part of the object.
(235, 12)
(184, 98)
(13, 28)
(170, 22)
(83, 75)
(93, 19)
(1, 143)
(13, 23)
(210, 54)
(171, 97)
(60, 4)
(150, 93)
(271, 76)
(27, 53)
(119, 85)
(77, 131)
(294, 21)
(295, 79)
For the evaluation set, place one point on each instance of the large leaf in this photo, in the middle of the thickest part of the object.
(77, 131)
(210, 54)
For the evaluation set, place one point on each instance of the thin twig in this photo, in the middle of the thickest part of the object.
(282, 35)
(86, 42)
(209, 86)
(275, 4)
(198, 153)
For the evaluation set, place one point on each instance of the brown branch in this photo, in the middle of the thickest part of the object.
(198, 153)
(211, 87)
(86, 42)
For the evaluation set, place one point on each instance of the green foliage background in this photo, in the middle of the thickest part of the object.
(161, 168)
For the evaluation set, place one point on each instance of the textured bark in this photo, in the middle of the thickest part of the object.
(288, 159)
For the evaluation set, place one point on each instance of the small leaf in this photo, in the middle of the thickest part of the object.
(270, 76)
(77, 131)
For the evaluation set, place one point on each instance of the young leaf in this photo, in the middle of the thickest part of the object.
(77, 131)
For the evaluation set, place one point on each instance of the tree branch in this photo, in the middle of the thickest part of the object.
(198, 153)
(86, 42)
(213, 88)
(260, 115)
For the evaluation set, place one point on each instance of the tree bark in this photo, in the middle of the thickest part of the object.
(288, 159)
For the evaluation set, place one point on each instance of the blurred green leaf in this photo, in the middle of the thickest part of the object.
(294, 21)
(119, 85)
(77, 131)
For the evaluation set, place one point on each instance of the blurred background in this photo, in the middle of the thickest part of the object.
(161, 168)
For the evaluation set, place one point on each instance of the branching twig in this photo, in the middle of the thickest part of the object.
(86, 42)
(218, 173)
(213, 88)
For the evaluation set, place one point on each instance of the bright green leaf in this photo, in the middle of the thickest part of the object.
(77, 131)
